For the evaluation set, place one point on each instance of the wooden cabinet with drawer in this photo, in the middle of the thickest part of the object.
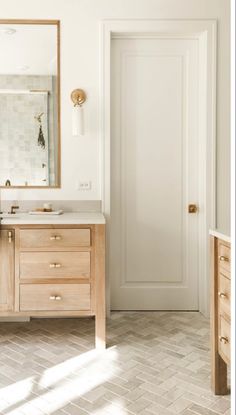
(54, 297)
(59, 271)
(220, 311)
(54, 264)
(55, 238)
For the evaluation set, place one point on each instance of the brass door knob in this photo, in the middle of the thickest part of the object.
(192, 208)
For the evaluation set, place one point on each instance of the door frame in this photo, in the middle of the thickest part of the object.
(205, 31)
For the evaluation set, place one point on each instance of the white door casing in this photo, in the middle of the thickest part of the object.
(204, 33)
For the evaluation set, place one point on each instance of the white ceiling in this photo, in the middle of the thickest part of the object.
(32, 46)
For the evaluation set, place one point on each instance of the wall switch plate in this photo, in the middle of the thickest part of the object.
(84, 185)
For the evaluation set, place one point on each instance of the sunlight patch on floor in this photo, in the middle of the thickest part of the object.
(59, 372)
(116, 407)
(61, 384)
(15, 392)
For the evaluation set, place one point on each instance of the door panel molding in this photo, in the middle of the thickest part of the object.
(204, 31)
(153, 239)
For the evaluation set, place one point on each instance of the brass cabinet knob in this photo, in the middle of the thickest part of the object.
(223, 258)
(222, 295)
(52, 297)
(58, 298)
(224, 340)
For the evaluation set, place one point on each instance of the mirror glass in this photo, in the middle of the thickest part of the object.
(29, 104)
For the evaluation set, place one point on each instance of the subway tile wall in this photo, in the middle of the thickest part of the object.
(22, 160)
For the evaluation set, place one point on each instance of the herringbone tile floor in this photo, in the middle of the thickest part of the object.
(156, 363)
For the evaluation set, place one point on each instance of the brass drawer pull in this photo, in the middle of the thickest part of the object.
(10, 237)
(55, 297)
(223, 258)
(55, 238)
(224, 340)
(222, 295)
(55, 265)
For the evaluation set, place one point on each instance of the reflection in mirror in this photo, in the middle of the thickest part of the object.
(29, 104)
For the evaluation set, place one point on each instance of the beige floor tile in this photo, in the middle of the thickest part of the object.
(156, 363)
(179, 405)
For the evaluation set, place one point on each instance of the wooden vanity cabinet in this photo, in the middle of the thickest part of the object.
(220, 313)
(7, 260)
(59, 271)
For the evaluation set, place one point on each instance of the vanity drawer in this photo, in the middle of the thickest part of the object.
(54, 238)
(224, 339)
(224, 294)
(224, 257)
(54, 265)
(54, 297)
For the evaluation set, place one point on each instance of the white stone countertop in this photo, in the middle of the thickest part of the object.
(214, 232)
(67, 218)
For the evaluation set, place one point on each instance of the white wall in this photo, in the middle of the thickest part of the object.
(80, 69)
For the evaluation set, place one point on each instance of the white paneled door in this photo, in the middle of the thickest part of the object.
(153, 260)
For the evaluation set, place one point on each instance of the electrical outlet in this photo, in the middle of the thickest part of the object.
(84, 185)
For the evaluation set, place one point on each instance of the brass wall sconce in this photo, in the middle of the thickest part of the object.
(78, 97)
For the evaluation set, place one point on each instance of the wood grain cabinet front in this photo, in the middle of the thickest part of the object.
(53, 297)
(54, 271)
(54, 265)
(224, 294)
(54, 238)
(224, 339)
(6, 270)
(220, 313)
(224, 257)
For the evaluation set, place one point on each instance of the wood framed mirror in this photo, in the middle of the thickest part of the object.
(30, 154)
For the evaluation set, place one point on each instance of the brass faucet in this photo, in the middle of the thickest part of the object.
(12, 212)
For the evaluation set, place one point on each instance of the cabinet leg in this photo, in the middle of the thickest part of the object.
(219, 375)
(100, 308)
(100, 333)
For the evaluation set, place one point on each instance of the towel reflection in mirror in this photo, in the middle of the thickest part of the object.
(41, 140)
